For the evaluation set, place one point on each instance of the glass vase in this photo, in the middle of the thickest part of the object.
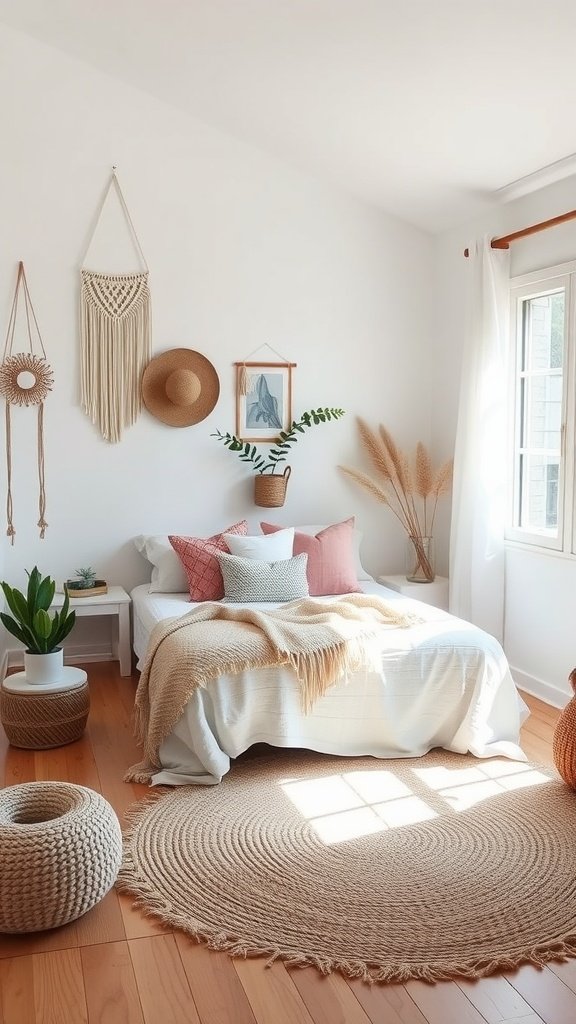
(420, 566)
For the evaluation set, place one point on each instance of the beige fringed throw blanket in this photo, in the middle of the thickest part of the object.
(319, 640)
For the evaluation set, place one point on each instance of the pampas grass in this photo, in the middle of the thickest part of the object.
(410, 489)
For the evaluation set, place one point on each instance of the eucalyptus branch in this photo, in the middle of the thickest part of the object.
(286, 439)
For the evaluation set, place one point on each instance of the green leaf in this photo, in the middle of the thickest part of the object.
(45, 593)
(22, 611)
(42, 623)
(33, 584)
(14, 628)
(9, 595)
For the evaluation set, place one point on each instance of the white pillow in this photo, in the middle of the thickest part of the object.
(249, 579)
(168, 576)
(361, 572)
(275, 547)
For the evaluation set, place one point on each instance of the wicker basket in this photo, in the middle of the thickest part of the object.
(37, 721)
(564, 744)
(60, 853)
(270, 488)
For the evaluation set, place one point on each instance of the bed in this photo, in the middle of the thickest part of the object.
(441, 683)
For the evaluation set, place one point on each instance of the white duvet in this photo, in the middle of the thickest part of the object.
(443, 683)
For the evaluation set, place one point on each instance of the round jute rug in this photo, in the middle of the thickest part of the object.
(428, 868)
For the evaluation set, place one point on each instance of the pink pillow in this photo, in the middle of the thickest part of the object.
(198, 556)
(331, 564)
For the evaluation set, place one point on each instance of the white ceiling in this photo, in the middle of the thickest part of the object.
(422, 107)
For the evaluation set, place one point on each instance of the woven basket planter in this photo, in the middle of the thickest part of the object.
(60, 853)
(38, 721)
(564, 744)
(270, 488)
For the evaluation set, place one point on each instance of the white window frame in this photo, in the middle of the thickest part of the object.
(524, 287)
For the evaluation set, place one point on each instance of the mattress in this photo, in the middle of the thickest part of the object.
(441, 683)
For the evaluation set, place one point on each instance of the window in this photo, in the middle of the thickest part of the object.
(544, 342)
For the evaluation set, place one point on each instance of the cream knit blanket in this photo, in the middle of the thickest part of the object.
(320, 640)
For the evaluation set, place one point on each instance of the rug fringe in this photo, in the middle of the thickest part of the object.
(145, 899)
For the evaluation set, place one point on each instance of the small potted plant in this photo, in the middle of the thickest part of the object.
(86, 580)
(85, 583)
(270, 486)
(33, 626)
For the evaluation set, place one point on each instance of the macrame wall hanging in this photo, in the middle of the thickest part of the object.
(115, 337)
(25, 379)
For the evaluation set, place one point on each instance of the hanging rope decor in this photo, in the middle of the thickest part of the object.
(25, 379)
(246, 382)
(115, 338)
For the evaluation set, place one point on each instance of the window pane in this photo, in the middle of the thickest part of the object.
(543, 411)
(539, 476)
(543, 323)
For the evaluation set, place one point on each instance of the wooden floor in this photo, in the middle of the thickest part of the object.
(114, 965)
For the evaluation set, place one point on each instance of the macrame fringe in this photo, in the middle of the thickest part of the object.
(243, 380)
(115, 349)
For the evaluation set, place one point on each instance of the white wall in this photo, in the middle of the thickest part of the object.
(540, 612)
(242, 250)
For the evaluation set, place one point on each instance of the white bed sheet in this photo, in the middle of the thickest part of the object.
(443, 683)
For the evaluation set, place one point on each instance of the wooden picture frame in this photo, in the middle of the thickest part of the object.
(263, 400)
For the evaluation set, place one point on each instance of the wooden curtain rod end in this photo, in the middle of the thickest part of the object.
(466, 253)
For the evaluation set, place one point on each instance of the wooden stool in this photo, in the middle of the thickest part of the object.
(40, 716)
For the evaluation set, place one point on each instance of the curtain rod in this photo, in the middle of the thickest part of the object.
(504, 242)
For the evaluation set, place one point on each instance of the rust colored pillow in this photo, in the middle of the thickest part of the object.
(198, 556)
(331, 561)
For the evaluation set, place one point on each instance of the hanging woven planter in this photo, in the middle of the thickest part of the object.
(25, 379)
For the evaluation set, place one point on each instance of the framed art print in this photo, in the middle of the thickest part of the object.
(263, 400)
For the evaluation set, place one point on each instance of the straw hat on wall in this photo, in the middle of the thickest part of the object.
(180, 387)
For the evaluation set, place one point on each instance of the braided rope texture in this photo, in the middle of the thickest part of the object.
(43, 720)
(564, 744)
(60, 851)
(428, 868)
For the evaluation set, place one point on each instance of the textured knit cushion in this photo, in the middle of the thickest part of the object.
(331, 562)
(198, 556)
(275, 548)
(247, 579)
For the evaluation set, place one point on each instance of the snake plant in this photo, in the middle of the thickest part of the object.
(32, 624)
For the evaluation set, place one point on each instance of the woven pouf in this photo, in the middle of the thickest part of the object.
(60, 853)
(38, 721)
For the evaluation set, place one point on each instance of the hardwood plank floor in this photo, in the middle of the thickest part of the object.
(116, 966)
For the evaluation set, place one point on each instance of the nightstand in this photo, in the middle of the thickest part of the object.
(435, 593)
(115, 602)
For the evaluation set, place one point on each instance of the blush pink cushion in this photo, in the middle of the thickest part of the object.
(198, 556)
(331, 563)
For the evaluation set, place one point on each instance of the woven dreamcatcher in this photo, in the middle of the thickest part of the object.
(115, 337)
(25, 379)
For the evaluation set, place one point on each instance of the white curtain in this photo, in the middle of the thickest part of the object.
(481, 453)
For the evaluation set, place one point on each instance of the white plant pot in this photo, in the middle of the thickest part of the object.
(44, 668)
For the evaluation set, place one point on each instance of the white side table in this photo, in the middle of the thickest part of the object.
(435, 593)
(115, 602)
